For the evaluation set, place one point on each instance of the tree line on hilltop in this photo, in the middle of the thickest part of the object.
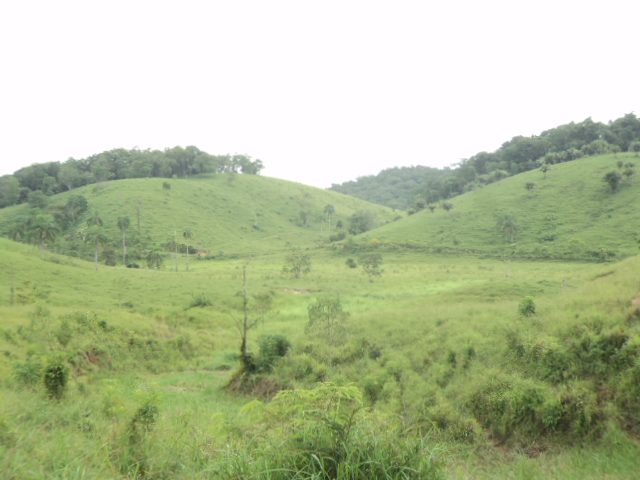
(414, 188)
(54, 177)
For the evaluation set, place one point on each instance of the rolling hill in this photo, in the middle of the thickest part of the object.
(571, 210)
(249, 215)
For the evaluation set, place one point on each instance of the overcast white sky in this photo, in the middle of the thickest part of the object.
(321, 91)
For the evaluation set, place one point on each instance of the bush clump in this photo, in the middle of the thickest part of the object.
(27, 373)
(527, 307)
(199, 300)
(56, 376)
(272, 347)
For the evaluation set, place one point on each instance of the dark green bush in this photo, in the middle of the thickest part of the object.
(199, 300)
(56, 376)
(337, 237)
(271, 348)
(527, 307)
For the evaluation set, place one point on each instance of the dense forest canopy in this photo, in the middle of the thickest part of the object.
(416, 187)
(55, 177)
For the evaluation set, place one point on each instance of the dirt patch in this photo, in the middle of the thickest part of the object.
(258, 386)
(180, 389)
(297, 291)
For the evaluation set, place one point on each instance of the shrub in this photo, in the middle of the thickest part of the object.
(199, 300)
(351, 263)
(371, 265)
(64, 333)
(527, 307)
(613, 179)
(272, 347)
(326, 433)
(27, 373)
(337, 237)
(56, 376)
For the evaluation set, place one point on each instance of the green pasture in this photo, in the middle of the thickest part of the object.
(422, 342)
(572, 202)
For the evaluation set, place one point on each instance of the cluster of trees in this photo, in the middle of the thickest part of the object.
(55, 177)
(410, 187)
(46, 225)
(394, 187)
(615, 178)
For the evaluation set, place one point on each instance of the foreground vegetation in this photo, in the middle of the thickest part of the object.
(441, 367)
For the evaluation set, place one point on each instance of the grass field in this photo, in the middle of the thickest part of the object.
(463, 364)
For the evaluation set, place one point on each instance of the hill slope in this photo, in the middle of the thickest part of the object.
(571, 210)
(251, 214)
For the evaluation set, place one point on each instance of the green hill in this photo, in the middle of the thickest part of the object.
(248, 215)
(414, 187)
(570, 212)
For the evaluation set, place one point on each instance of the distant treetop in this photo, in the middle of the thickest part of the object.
(55, 177)
(413, 188)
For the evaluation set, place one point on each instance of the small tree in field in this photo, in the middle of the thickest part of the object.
(187, 236)
(327, 319)
(95, 220)
(154, 260)
(508, 253)
(508, 227)
(329, 210)
(244, 324)
(43, 232)
(371, 265)
(544, 168)
(531, 187)
(123, 225)
(447, 207)
(613, 179)
(98, 241)
(76, 205)
(297, 263)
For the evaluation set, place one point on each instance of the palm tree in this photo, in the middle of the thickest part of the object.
(43, 231)
(98, 240)
(508, 226)
(172, 248)
(17, 231)
(95, 220)
(154, 259)
(123, 225)
(76, 204)
(187, 235)
(329, 210)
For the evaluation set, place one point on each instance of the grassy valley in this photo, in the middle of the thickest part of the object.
(419, 349)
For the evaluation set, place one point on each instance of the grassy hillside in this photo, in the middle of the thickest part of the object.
(251, 214)
(571, 210)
